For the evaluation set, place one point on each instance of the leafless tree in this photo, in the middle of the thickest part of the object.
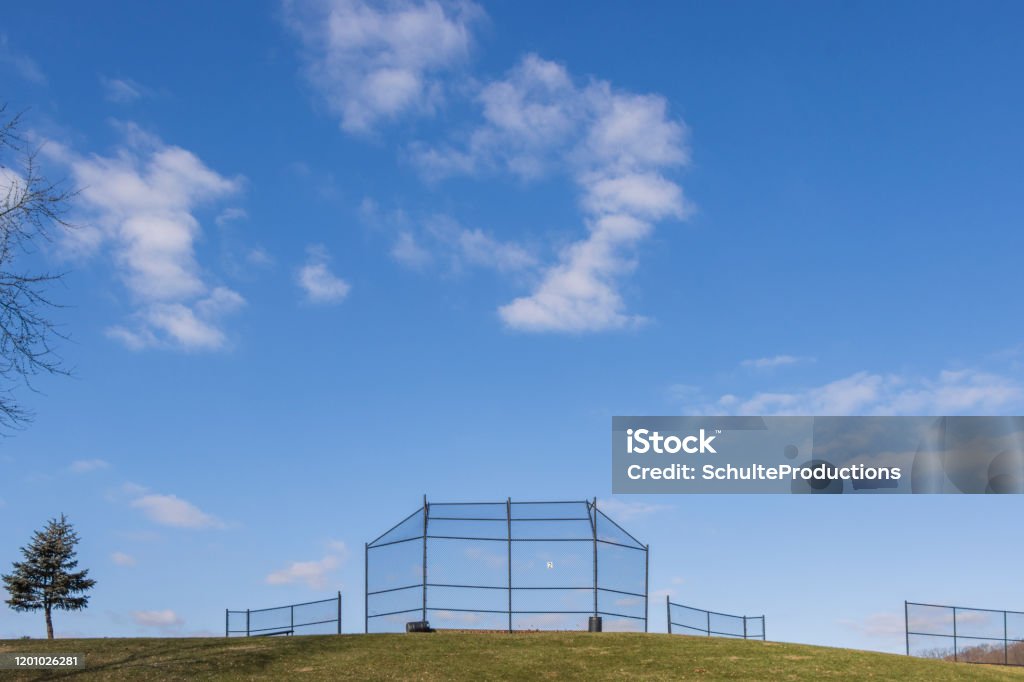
(32, 210)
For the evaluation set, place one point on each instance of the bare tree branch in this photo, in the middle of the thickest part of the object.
(32, 209)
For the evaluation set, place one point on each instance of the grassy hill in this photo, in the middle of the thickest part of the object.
(484, 656)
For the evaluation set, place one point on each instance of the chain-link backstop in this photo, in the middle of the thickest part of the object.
(510, 566)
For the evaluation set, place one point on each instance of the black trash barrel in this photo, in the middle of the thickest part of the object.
(595, 624)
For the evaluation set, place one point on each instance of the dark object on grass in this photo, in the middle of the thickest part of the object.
(595, 624)
(418, 626)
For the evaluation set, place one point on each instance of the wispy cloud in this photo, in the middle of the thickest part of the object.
(122, 559)
(865, 393)
(775, 361)
(408, 251)
(23, 65)
(123, 90)
(620, 510)
(880, 625)
(316, 279)
(314, 574)
(142, 202)
(615, 145)
(171, 510)
(258, 256)
(84, 466)
(229, 215)
(441, 238)
(164, 620)
(377, 61)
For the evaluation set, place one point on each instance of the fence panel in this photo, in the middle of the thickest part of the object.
(320, 617)
(687, 620)
(964, 634)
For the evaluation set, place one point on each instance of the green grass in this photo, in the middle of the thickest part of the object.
(485, 656)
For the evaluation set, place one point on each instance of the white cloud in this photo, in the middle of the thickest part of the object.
(407, 251)
(615, 145)
(170, 510)
(774, 361)
(317, 280)
(190, 327)
(440, 238)
(479, 248)
(122, 90)
(83, 466)
(142, 202)
(314, 574)
(122, 559)
(163, 620)
(863, 393)
(377, 61)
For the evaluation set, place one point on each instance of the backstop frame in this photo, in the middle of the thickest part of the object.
(596, 538)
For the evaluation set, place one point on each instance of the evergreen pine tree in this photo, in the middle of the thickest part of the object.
(46, 579)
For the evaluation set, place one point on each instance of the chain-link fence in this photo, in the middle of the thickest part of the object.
(687, 620)
(967, 635)
(321, 617)
(509, 566)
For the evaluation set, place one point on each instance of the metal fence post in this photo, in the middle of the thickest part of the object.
(593, 526)
(744, 627)
(906, 623)
(291, 618)
(647, 573)
(366, 588)
(426, 515)
(1006, 652)
(668, 614)
(339, 612)
(954, 636)
(227, 623)
(247, 622)
(709, 623)
(508, 519)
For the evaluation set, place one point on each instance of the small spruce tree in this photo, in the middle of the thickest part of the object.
(47, 579)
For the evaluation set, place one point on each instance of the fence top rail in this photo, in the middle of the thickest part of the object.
(959, 636)
(515, 519)
(286, 606)
(503, 503)
(964, 608)
(509, 515)
(716, 613)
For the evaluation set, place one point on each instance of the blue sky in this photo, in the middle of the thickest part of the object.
(334, 256)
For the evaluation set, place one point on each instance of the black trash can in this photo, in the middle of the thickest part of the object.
(417, 626)
(595, 624)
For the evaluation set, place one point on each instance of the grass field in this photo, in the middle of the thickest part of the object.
(481, 656)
